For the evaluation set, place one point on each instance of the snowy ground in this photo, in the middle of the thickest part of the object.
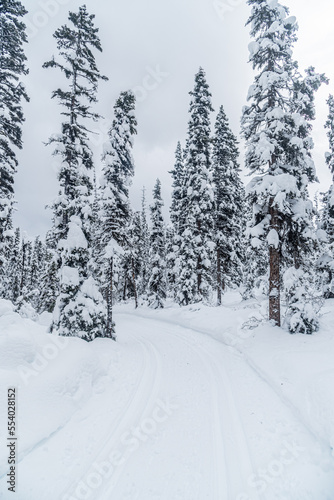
(189, 404)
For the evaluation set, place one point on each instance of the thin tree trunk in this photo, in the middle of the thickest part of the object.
(274, 277)
(134, 283)
(219, 278)
(199, 275)
(110, 323)
(125, 286)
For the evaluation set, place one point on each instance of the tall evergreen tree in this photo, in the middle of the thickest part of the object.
(80, 310)
(130, 261)
(177, 216)
(196, 248)
(118, 168)
(157, 287)
(229, 207)
(13, 269)
(327, 217)
(12, 92)
(115, 206)
(49, 283)
(144, 249)
(275, 126)
(178, 195)
(301, 242)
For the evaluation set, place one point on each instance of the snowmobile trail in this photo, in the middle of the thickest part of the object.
(228, 465)
(229, 448)
(166, 413)
(138, 403)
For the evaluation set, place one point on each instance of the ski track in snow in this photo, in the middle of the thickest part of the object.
(227, 424)
(138, 404)
(216, 457)
(228, 433)
(259, 372)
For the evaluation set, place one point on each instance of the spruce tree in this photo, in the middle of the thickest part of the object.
(229, 207)
(144, 249)
(196, 246)
(171, 253)
(12, 92)
(114, 198)
(130, 261)
(49, 283)
(119, 168)
(157, 287)
(80, 309)
(178, 195)
(301, 243)
(177, 216)
(13, 269)
(276, 129)
(326, 263)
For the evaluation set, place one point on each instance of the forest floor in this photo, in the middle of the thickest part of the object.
(198, 403)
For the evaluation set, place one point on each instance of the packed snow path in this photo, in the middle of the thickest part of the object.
(167, 413)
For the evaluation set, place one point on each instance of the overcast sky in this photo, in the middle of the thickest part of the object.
(155, 48)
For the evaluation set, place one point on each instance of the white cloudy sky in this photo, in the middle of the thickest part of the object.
(141, 37)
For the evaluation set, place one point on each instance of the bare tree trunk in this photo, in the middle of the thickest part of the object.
(274, 277)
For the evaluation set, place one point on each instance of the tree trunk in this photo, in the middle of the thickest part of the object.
(219, 278)
(274, 277)
(199, 276)
(110, 323)
(125, 286)
(134, 283)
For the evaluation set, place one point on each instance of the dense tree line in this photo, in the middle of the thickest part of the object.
(222, 235)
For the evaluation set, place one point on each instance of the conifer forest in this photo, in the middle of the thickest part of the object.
(189, 334)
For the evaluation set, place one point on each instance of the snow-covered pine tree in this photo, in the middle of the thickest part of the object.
(178, 195)
(49, 282)
(196, 247)
(177, 216)
(36, 271)
(25, 295)
(144, 249)
(114, 193)
(157, 287)
(301, 241)
(80, 309)
(171, 253)
(12, 92)
(327, 216)
(12, 275)
(273, 126)
(118, 168)
(130, 260)
(229, 207)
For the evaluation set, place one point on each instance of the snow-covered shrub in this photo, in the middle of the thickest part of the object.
(303, 305)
